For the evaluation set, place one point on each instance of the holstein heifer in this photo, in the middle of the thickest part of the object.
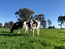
(17, 26)
(32, 25)
(25, 26)
(35, 25)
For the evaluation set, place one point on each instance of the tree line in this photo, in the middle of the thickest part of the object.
(7, 24)
(61, 21)
(27, 14)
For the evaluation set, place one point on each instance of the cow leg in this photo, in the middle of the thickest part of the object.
(18, 31)
(26, 29)
(11, 30)
(33, 33)
(29, 31)
(38, 30)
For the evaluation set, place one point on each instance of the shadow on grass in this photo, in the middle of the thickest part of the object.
(11, 34)
(59, 47)
(61, 31)
(45, 43)
(5, 33)
(51, 37)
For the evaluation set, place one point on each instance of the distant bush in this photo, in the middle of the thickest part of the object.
(8, 24)
(0, 25)
(51, 27)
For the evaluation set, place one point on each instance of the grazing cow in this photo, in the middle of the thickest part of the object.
(17, 26)
(32, 25)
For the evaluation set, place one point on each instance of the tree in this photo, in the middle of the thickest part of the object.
(8, 24)
(61, 20)
(41, 18)
(44, 23)
(24, 13)
(5, 25)
(0, 25)
(51, 27)
(49, 22)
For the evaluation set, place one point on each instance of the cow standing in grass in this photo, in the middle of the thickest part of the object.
(17, 26)
(20, 25)
(32, 25)
(25, 26)
(35, 25)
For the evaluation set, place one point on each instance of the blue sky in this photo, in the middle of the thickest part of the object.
(50, 8)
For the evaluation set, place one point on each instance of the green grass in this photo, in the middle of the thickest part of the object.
(48, 39)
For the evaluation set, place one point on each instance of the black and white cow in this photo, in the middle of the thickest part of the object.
(31, 25)
(17, 26)
(35, 25)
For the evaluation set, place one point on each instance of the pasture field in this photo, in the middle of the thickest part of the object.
(48, 39)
